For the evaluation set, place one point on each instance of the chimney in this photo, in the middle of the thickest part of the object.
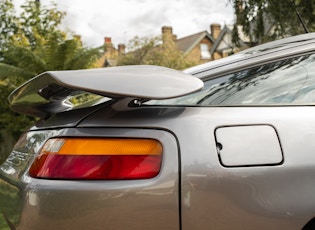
(108, 46)
(215, 30)
(167, 34)
(167, 30)
(121, 49)
(108, 40)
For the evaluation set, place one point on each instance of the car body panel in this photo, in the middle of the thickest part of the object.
(213, 196)
(216, 68)
(195, 188)
(51, 92)
(239, 145)
(150, 203)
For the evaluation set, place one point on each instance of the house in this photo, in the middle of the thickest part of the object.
(197, 48)
(223, 45)
(204, 46)
(110, 54)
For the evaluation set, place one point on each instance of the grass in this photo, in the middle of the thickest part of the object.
(9, 204)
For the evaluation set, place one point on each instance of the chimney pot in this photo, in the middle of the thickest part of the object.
(121, 48)
(167, 34)
(167, 30)
(107, 40)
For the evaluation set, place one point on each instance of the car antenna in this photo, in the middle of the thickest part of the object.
(299, 16)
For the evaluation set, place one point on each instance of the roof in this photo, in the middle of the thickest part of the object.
(186, 44)
(280, 48)
(219, 40)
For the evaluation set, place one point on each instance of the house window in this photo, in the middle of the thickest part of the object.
(205, 54)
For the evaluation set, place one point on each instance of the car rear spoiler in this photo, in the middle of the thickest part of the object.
(49, 92)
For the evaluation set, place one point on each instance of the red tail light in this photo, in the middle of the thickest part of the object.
(98, 159)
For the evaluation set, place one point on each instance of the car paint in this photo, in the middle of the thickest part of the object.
(51, 204)
(265, 196)
(195, 189)
(49, 93)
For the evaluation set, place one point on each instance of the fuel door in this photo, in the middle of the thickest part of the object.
(248, 145)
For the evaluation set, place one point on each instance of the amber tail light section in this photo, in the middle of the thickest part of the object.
(98, 159)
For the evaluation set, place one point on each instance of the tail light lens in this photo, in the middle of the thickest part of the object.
(98, 159)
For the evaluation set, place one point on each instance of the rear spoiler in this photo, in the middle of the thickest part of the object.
(49, 92)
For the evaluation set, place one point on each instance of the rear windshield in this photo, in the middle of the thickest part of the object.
(290, 81)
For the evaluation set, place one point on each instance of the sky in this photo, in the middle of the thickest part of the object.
(122, 20)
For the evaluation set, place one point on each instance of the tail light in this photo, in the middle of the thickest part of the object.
(98, 159)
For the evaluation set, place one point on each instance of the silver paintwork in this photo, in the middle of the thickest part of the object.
(213, 196)
(195, 189)
(49, 93)
(96, 204)
(248, 145)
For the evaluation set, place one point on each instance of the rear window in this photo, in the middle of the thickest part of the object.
(290, 81)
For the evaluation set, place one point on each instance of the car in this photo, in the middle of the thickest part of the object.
(229, 144)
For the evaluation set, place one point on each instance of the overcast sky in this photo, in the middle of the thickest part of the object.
(124, 19)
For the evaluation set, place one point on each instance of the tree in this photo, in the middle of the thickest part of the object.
(33, 20)
(20, 63)
(51, 53)
(152, 51)
(36, 46)
(8, 25)
(38, 20)
(264, 20)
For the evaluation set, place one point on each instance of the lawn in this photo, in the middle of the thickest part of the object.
(9, 204)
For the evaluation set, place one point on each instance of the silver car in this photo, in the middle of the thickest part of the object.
(229, 144)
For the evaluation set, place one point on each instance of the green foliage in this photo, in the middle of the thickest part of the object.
(138, 50)
(152, 51)
(11, 123)
(235, 36)
(34, 20)
(21, 63)
(264, 20)
(8, 25)
(10, 204)
(32, 43)
(38, 20)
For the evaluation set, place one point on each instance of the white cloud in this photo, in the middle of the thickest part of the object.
(124, 19)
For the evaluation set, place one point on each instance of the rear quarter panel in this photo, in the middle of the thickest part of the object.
(217, 197)
(194, 190)
(120, 204)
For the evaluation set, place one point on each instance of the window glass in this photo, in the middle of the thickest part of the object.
(205, 53)
(290, 81)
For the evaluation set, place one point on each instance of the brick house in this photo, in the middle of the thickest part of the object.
(223, 46)
(110, 53)
(198, 48)
(195, 47)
